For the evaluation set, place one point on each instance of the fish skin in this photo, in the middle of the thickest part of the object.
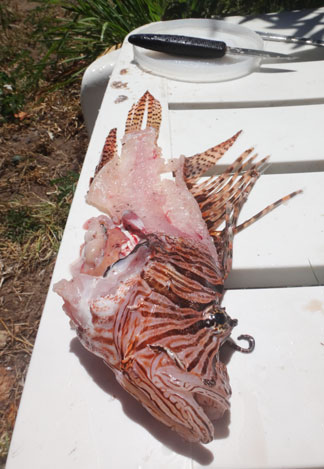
(147, 318)
(146, 292)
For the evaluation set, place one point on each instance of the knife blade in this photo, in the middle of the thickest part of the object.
(195, 47)
(293, 39)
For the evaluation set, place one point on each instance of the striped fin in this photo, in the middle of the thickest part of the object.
(221, 199)
(217, 193)
(109, 151)
(266, 210)
(147, 104)
(196, 165)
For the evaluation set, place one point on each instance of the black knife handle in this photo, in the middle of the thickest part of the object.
(180, 45)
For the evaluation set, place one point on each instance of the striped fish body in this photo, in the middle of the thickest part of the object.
(159, 328)
(146, 293)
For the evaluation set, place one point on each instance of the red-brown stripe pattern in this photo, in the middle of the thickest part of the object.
(164, 334)
(157, 338)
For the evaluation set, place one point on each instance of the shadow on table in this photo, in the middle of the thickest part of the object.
(105, 379)
(301, 23)
(311, 55)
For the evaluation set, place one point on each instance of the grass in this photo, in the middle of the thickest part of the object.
(65, 187)
(4, 444)
(32, 231)
(17, 62)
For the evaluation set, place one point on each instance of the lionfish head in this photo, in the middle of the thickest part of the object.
(216, 318)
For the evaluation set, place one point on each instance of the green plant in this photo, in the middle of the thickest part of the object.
(19, 58)
(10, 101)
(20, 222)
(7, 16)
(35, 230)
(65, 187)
(86, 28)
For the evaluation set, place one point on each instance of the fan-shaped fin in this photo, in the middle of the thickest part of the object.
(196, 165)
(146, 104)
(109, 151)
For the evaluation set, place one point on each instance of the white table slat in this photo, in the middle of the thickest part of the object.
(273, 89)
(283, 133)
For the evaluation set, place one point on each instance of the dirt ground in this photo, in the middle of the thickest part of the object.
(39, 153)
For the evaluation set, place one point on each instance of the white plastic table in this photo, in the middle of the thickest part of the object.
(74, 415)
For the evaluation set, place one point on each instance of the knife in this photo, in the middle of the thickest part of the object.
(293, 39)
(195, 47)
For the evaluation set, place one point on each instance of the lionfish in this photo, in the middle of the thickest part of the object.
(146, 292)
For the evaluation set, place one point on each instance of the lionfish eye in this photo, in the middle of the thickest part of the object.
(208, 322)
(220, 318)
(216, 319)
